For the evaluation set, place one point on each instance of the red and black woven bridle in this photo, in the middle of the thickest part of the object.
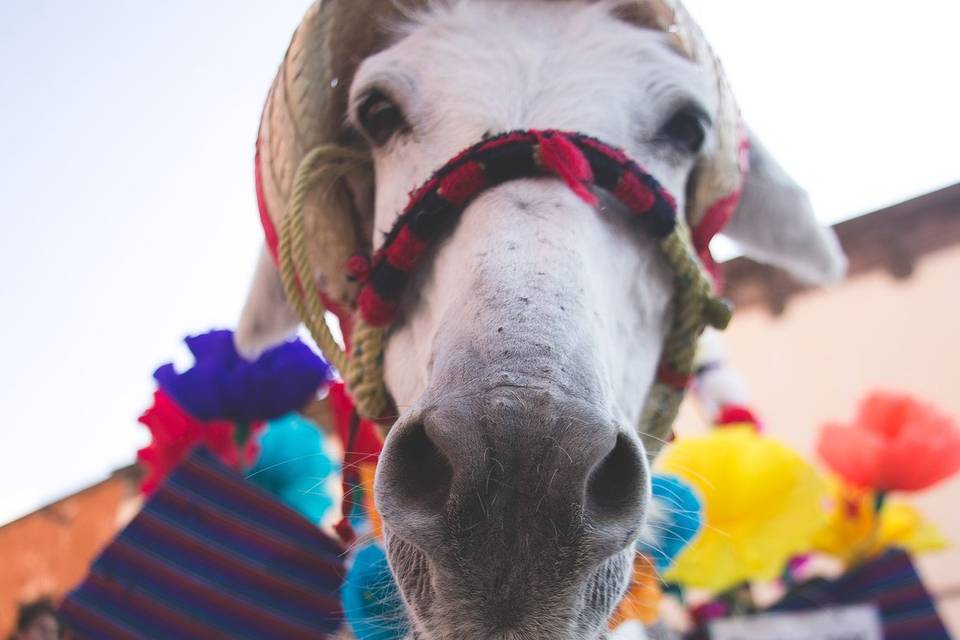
(581, 161)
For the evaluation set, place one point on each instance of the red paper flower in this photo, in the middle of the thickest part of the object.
(175, 433)
(897, 443)
(364, 444)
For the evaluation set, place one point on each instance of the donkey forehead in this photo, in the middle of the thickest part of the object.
(473, 66)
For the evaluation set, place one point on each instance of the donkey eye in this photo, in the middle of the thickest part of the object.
(380, 117)
(686, 130)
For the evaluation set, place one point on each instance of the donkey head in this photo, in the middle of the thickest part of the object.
(514, 483)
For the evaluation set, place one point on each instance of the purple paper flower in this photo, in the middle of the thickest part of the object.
(222, 385)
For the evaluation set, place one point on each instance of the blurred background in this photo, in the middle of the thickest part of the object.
(130, 220)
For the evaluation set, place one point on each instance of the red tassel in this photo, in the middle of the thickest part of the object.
(560, 156)
(345, 530)
(376, 311)
(406, 250)
(634, 193)
(464, 183)
(358, 267)
(714, 220)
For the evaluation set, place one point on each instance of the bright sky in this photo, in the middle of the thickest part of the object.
(127, 190)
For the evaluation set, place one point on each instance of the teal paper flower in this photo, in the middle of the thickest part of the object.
(294, 466)
(676, 520)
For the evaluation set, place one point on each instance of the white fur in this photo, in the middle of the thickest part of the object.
(630, 630)
(267, 318)
(775, 223)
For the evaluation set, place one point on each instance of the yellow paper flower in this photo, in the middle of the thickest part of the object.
(851, 534)
(762, 505)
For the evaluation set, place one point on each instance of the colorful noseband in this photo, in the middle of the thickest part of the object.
(582, 163)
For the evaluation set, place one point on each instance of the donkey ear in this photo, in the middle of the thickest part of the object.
(267, 318)
(774, 223)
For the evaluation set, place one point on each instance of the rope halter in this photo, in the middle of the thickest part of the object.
(581, 162)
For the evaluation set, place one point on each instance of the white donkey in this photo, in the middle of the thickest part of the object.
(513, 484)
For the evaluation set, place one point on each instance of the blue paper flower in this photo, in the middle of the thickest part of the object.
(675, 522)
(294, 466)
(223, 385)
(371, 600)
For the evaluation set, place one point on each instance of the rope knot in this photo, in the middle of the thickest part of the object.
(718, 313)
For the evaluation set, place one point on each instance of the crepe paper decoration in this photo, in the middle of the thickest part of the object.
(367, 473)
(712, 610)
(735, 415)
(371, 599)
(222, 385)
(211, 555)
(294, 466)
(856, 530)
(674, 519)
(175, 434)
(891, 583)
(642, 602)
(360, 438)
(762, 505)
(362, 444)
(795, 569)
(896, 443)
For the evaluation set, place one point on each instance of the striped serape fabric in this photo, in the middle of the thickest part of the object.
(211, 556)
(891, 583)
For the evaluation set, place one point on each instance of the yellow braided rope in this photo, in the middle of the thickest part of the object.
(364, 376)
(362, 370)
(695, 307)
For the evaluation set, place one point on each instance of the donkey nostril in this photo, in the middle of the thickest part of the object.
(616, 485)
(423, 473)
